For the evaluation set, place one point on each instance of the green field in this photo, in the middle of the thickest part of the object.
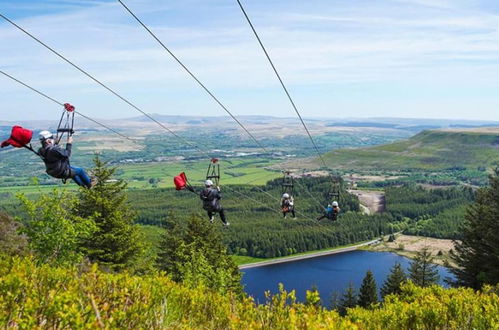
(238, 171)
(160, 175)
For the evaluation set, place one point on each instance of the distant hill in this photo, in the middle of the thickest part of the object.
(428, 150)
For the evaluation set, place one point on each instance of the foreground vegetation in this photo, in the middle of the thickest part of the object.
(34, 296)
(82, 262)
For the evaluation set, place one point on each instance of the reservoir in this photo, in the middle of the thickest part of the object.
(331, 273)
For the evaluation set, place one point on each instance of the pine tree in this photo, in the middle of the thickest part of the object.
(334, 300)
(394, 280)
(348, 300)
(195, 255)
(368, 292)
(117, 241)
(172, 248)
(422, 270)
(477, 253)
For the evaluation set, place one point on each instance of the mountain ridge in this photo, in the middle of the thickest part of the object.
(427, 150)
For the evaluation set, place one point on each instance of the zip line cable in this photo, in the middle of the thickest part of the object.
(192, 75)
(94, 79)
(283, 86)
(104, 86)
(107, 127)
(61, 104)
(203, 86)
(114, 92)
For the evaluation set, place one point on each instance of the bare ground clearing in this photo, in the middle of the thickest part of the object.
(408, 246)
(373, 200)
(372, 178)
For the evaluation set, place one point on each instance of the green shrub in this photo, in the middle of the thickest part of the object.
(43, 296)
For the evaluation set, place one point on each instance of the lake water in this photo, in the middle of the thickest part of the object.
(328, 273)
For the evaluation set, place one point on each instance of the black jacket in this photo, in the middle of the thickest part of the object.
(56, 160)
(211, 199)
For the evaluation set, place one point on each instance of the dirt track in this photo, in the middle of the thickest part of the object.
(373, 200)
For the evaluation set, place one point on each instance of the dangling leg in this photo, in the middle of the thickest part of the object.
(77, 179)
(210, 216)
(81, 177)
(321, 217)
(222, 217)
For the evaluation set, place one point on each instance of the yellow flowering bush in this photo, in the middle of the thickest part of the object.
(42, 296)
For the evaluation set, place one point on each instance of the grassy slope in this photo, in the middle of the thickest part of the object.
(428, 150)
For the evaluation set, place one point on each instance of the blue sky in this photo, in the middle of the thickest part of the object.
(339, 58)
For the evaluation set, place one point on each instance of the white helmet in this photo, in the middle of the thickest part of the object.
(335, 204)
(45, 135)
(208, 183)
(285, 195)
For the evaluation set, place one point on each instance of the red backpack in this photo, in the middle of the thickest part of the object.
(19, 137)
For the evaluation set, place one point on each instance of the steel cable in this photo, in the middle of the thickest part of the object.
(203, 86)
(126, 100)
(284, 87)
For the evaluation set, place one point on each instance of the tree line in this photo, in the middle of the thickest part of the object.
(98, 225)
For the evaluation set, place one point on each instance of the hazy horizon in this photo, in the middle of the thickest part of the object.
(332, 119)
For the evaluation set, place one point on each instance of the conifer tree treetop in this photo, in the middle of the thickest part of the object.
(477, 253)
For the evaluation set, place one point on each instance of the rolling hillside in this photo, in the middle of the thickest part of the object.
(428, 150)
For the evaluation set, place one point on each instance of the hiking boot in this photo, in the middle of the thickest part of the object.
(212, 219)
(226, 224)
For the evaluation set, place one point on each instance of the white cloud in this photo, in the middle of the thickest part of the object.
(328, 44)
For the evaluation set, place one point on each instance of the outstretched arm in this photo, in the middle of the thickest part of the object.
(64, 153)
(69, 145)
(59, 153)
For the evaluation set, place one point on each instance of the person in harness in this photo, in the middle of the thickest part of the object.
(211, 202)
(287, 205)
(56, 161)
(331, 212)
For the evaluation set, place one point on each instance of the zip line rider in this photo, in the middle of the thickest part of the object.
(287, 205)
(56, 160)
(211, 202)
(331, 212)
